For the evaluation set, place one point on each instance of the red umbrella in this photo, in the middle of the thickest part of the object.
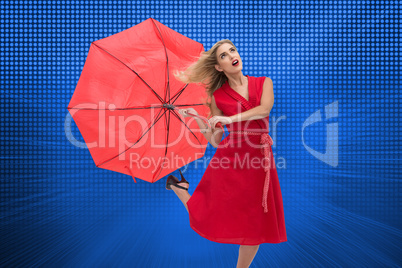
(126, 100)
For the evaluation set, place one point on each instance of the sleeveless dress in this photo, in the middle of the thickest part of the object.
(226, 204)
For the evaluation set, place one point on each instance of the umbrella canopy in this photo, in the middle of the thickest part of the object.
(125, 102)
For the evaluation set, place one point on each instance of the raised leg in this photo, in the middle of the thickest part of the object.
(246, 255)
(182, 194)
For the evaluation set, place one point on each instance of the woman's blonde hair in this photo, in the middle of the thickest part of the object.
(204, 71)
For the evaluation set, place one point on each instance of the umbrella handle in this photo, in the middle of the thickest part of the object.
(206, 120)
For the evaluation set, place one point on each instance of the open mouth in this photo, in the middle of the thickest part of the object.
(235, 63)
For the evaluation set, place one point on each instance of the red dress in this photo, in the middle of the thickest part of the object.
(226, 206)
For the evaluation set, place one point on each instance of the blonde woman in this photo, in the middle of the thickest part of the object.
(238, 200)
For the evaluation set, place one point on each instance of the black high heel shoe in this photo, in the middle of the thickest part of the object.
(172, 180)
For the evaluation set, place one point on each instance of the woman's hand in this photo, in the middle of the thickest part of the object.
(185, 112)
(224, 120)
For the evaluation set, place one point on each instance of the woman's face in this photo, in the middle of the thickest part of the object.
(229, 60)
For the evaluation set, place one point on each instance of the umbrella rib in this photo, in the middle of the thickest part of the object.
(156, 94)
(180, 105)
(174, 113)
(107, 109)
(167, 136)
(178, 93)
(167, 90)
(167, 122)
(138, 138)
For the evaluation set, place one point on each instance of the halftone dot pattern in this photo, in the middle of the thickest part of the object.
(335, 67)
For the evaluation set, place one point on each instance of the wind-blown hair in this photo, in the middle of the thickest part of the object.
(204, 71)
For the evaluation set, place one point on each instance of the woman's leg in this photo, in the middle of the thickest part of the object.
(246, 255)
(182, 194)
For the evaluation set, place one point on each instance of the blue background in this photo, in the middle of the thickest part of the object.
(58, 209)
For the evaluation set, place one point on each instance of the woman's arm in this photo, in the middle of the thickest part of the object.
(261, 111)
(214, 135)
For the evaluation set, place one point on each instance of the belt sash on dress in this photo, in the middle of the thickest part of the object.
(265, 141)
